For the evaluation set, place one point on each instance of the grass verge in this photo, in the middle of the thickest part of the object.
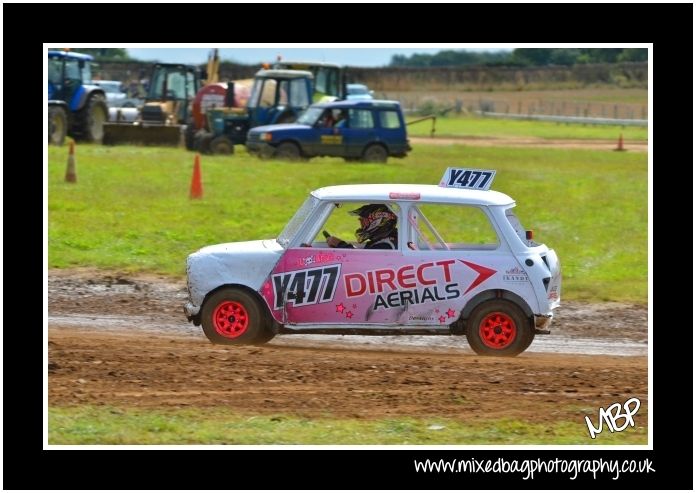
(493, 127)
(107, 425)
(130, 209)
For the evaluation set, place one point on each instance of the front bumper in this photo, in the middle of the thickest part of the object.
(542, 321)
(260, 148)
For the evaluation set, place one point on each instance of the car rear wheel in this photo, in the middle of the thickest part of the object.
(375, 153)
(289, 151)
(233, 316)
(499, 328)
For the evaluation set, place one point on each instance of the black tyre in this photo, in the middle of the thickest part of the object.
(375, 153)
(289, 151)
(57, 125)
(92, 118)
(234, 317)
(499, 328)
(221, 145)
(189, 136)
(201, 141)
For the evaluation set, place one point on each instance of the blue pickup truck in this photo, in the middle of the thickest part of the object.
(368, 131)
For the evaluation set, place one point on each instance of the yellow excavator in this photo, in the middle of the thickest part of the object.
(167, 107)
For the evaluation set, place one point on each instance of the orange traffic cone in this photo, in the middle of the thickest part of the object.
(70, 173)
(196, 185)
(620, 146)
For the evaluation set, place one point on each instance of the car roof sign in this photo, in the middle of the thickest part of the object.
(475, 179)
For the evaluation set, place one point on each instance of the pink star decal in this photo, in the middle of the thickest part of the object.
(354, 306)
(442, 319)
(340, 308)
(437, 310)
(349, 314)
(483, 274)
(450, 313)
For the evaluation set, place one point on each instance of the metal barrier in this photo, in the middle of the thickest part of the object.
(429, 117)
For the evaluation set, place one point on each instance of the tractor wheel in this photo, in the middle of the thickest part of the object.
(92, 118)
(375, 153)
(499, 328)
(201, 141)
(57, 125)
(289, 151)
(189, 136)
(233, 316)
(221, 145)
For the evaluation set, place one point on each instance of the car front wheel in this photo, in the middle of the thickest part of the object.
(499, 328)
(289, 151)
(233, 316)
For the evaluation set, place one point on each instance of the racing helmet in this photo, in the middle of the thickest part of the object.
(376, 222)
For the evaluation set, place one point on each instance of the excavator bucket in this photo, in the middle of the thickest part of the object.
(143, 134)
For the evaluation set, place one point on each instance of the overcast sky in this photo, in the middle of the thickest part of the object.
(360, 57)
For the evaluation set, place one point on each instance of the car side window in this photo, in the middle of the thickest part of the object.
(342, 224)
(360, 119)
(389, 119)
(452, 227)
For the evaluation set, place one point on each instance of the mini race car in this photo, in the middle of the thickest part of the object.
(463, 265)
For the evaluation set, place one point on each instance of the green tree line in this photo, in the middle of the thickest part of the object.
(522, 57)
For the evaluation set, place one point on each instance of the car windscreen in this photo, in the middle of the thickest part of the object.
(309, 116)
(294, 225)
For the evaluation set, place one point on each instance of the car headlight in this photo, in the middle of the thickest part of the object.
(266, 136)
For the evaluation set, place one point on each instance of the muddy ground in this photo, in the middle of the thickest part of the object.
(122, 340)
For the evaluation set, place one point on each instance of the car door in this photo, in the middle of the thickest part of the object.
(359, 131)
(336, 286)
(392, 130)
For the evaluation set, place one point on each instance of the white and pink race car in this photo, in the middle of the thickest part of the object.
(463, 265)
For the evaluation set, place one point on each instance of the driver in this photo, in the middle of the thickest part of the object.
(377, 229)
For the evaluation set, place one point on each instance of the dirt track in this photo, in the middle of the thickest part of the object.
(142, 358)
(596, 144)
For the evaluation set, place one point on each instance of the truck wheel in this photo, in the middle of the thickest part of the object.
(221, 145)
(499, 328)
(234, 317)
(57, 125)
(289, 151)
(92, 119)
(375, 153)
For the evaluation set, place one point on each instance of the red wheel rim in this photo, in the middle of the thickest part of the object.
(497, 330)
(230, 319)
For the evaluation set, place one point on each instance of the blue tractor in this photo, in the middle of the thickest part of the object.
(277, 96)
(75, 106)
